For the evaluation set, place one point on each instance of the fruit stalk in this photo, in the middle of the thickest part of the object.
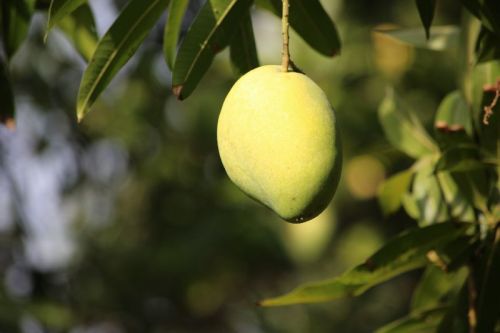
(285, 53)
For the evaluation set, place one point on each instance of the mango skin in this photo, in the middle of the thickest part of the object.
(278, 141)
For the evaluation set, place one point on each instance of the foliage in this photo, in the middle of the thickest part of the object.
(451, 189)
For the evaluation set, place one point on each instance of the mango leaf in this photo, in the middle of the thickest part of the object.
(173, 29)
(16, 17)
(79, 27)
(116, 47)
(453, 123)
(435, 286)
(416, 322)
(459, 159)
(210, 32)
(243, 51)
(459, 207)
(455, 319)
(427, 194)
(473, 6)
(440, 38)
(487, 46)
(6, 96)
(403, 130)
(404, 253)
(426, 11)
(310, 20)
(391, 192)
(59, 9)
(488, 305)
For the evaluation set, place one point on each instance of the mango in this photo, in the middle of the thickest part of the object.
(278, 141)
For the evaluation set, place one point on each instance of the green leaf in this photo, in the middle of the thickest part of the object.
(210, 32)
(59, 9)
(310, 20)
(15, 20)
(6, 96)
(488, 305)
(428, 197)
(116, 47)
(435, 286)
(173, 29)
(243, 51)
(459, 207)
(459, 159)
(440, 38)
(426, 11)
(79, 27)
(403, 130)
(453, 123)
(391, 192)
(404, 253)
(473, 6)
(455, 319)
(487, 46)
(416, 322)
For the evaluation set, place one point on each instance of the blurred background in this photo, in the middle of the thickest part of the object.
(128, 222)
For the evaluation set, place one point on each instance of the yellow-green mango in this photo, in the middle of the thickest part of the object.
(278, 141)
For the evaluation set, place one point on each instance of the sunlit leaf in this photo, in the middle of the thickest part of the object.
(15, 19)
(428, 197)
(210, 32)
(426, 11)
(416, 322)
(403, 130)
(6, 96)
(310, 20)
(243, 51)
(116, 47)
(440, 38)
(459, 207)
(59, 9)
(79, 27)
(173, 29)
(453, 123)
(391, 192)
(404, 253)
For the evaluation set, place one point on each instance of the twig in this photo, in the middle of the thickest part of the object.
(488, 109)
(285, 54)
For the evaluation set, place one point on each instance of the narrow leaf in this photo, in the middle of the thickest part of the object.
(426, 11)
(435, 286)
(243, 51)
(391, 192)
(440, 38)
(487, 46)
(59, 9)
(6, 97)
(15, 20)
(210, 32)
(488, 307)
(403, 130)
(173, 29)
(310, 20)
(416, 322)
(116, 47)
(404, 253)
(79, 27)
